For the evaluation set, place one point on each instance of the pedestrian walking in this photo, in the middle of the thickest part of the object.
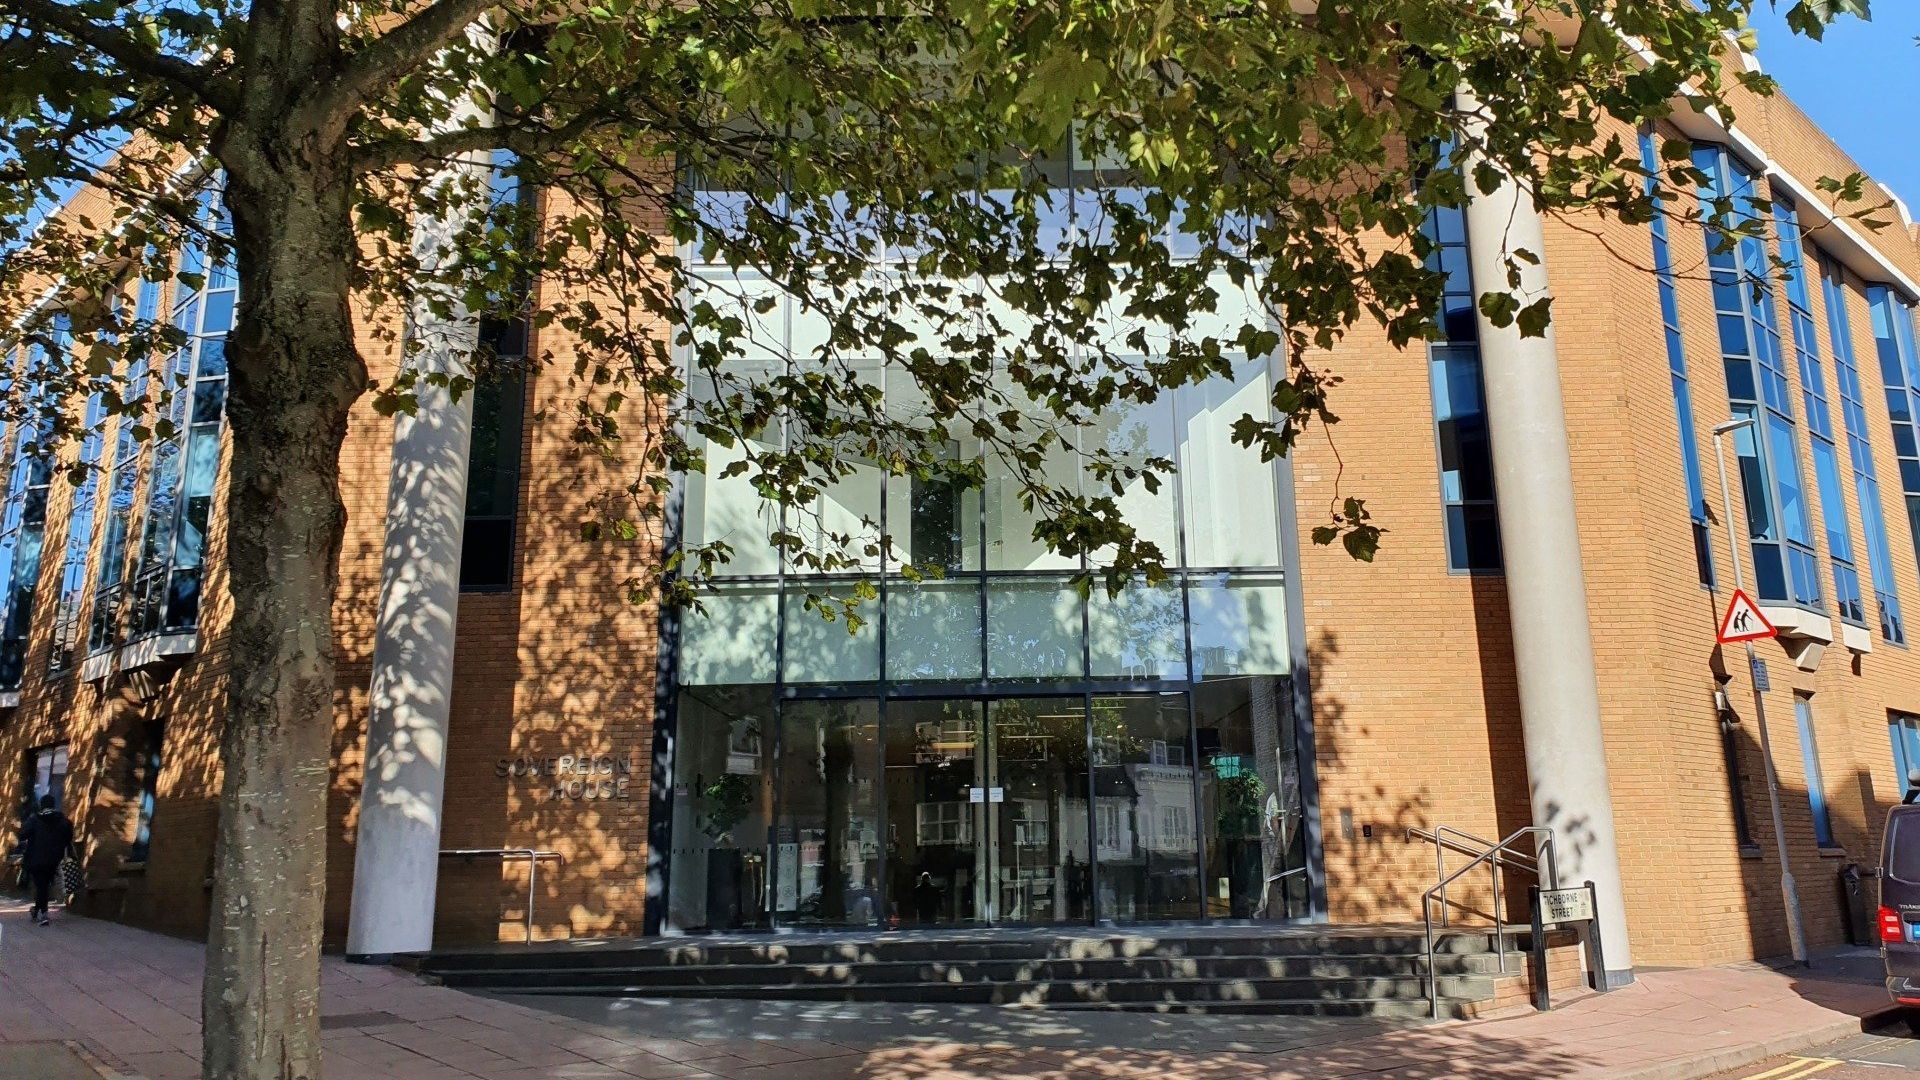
(43, 844)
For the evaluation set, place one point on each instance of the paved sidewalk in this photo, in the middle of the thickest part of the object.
(130, 999)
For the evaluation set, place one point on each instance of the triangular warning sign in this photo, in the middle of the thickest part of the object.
(1743, 621)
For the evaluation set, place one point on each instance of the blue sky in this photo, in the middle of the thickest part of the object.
(1861, 84)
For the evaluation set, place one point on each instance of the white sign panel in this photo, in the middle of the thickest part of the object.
(1565, 905)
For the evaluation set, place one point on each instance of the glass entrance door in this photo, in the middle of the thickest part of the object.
(987, 811)
(1036, 803)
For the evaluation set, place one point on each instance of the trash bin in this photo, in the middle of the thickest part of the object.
(1853, 905)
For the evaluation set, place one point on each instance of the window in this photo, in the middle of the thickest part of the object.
(1810, 759)
(1904, 730)
(1736, 786)
(73, 567)
(47, 775)
(122, 479)
(1847, 602)
(23, 523)
(1900, 371)
(148, 766)
(1176, 828)
(1785, 569)
(1677, 364)
(1866, 483)
(946, 823)
(1459, 404)
(499, 406)
(493, 484)
(165, 590)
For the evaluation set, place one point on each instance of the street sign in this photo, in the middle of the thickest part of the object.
(1565, 905)
(1574, 909)
(1761, 680)
(1743, 621)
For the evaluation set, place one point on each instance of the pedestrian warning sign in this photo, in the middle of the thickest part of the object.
(1743, 621)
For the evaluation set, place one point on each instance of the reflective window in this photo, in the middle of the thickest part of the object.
(73, 565)
(1459, 406)
(1145, 835)
(1138, 633)
(1900, 371)
(1034, 630)
(1251, 809)
(731, 637)
(1229, 498)
(148, 769)
(1667, 281)
(123, 477)
(934, 631)
(164, 591)
(722, 808)
(23, 522)
(1847, 601)
(822, 644)
(1810, 763)
(1853, 417)
(1740, 267)
(1904, 729)
(827, 832)
(47, 775)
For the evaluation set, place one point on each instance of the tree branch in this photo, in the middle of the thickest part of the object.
(387, 58)
(122, 48)
(524, 141)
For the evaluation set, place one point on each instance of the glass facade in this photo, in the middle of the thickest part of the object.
(122, 483)
(1904, 731)
(1667, 281)
(23, 521)
(1866, 482)
(1847, 601)
(1810, 763)
(1459, 403)
(987, 743)
(1780, 537)
(73, 566)
(499, 407)
(163, 590)
(1900, 371)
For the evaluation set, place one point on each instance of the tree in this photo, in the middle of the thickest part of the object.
(893, 169)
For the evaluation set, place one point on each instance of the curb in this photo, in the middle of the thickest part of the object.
(1694, 1068)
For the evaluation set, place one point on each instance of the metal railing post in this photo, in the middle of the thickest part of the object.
(533, 857)
(1496, 856)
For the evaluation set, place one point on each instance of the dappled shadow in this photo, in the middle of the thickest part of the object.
(860, 1041)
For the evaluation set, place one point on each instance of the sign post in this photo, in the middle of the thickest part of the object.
(1744, 624)
(1559, 907)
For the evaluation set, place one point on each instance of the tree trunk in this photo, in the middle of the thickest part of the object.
(294, 376)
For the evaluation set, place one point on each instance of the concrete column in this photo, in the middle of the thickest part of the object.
(1546, 586)
(396, 858)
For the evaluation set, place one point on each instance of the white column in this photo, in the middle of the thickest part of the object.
(1546, 586)
(396, 858)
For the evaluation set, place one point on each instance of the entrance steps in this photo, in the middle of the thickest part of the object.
(1378, 971)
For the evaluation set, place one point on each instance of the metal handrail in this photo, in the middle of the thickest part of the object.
(533, 857)
(1495, 856)
(1439, 839)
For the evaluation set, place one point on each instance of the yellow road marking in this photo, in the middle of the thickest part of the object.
(1797, 1069)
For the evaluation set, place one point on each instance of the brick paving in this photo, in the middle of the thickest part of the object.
(130, 999)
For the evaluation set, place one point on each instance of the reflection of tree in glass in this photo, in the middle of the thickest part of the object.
(728, 801)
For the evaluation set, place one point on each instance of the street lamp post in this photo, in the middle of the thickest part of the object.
(1789, 892)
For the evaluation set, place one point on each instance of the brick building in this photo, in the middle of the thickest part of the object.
(1254, 741)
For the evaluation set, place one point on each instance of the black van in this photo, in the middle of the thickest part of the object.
(1899, 917)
